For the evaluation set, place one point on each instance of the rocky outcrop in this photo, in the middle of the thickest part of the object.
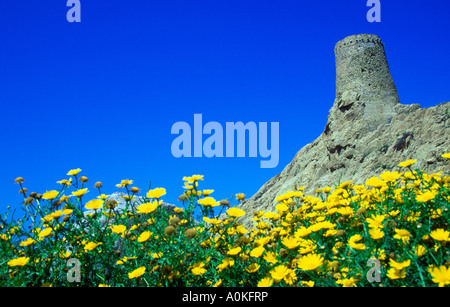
(368, 131)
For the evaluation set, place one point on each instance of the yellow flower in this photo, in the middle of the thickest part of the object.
(376, 233)
(402, 234)
(90, 246)
(435, 214)
(399, 265)
(440, 276)
(64, 254)
(327, 189)
(80, 192)
(147, 207)
(207, 192)
(45, 233)
(208, 202)
(330, 233)
(345, 184)
(310, 262)
(67, 211)
(265, 282)
(347, 282)
(178, 210)
(119, 229)
(73, 172)
(212, 221)
(257, 251)
(234, 251)
(393, 213)
(47, 218)
(281, 208)
(124, 259)
(235, 212)
(57, 214)
(424, 197)
(375, 182)
(198, 269)
(50, 195)
(271, 257)
(396, 274)
(302, 232)
(279, 272)
(196, 177)
(440, 235)
(65, 181)
(240, 196)
(137, 273)
(217, 284)
(262, 241)
(420, 250)
(103, 197)
(291, 243)
(156, 193)
(124, 183)
(282, 272)
(226, 263)
(407, 163)
(345, 211)
(21, 261)
(188, 186)
(144, 236)
(352, 242)
(94, 204)
(271, 216)
(446, 155)
(241, 230)
(27, 242)
(308, 284)
(252, 268)
(389, 177)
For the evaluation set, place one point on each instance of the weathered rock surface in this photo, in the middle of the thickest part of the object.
(368, 131)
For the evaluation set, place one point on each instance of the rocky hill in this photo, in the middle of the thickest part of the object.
(368, 130)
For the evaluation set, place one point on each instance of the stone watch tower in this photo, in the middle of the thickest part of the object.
(364, 81)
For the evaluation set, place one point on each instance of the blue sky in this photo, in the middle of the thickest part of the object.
(103, 94)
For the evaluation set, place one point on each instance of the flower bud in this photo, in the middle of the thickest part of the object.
(225, 202)
(174, 221)
(190, 233)
(183, 198)
(28, 200)
(110, 204)
(135, 190)
(169, 230)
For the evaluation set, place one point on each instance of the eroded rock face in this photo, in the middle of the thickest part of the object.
(368, 131)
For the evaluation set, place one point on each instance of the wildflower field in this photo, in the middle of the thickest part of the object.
(399, 219)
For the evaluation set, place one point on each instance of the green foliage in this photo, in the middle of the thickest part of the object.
(401, 219)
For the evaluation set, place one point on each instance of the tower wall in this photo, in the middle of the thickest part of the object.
(363, 76)
(361, 65)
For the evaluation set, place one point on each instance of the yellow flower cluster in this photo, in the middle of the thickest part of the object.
(401, 218)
